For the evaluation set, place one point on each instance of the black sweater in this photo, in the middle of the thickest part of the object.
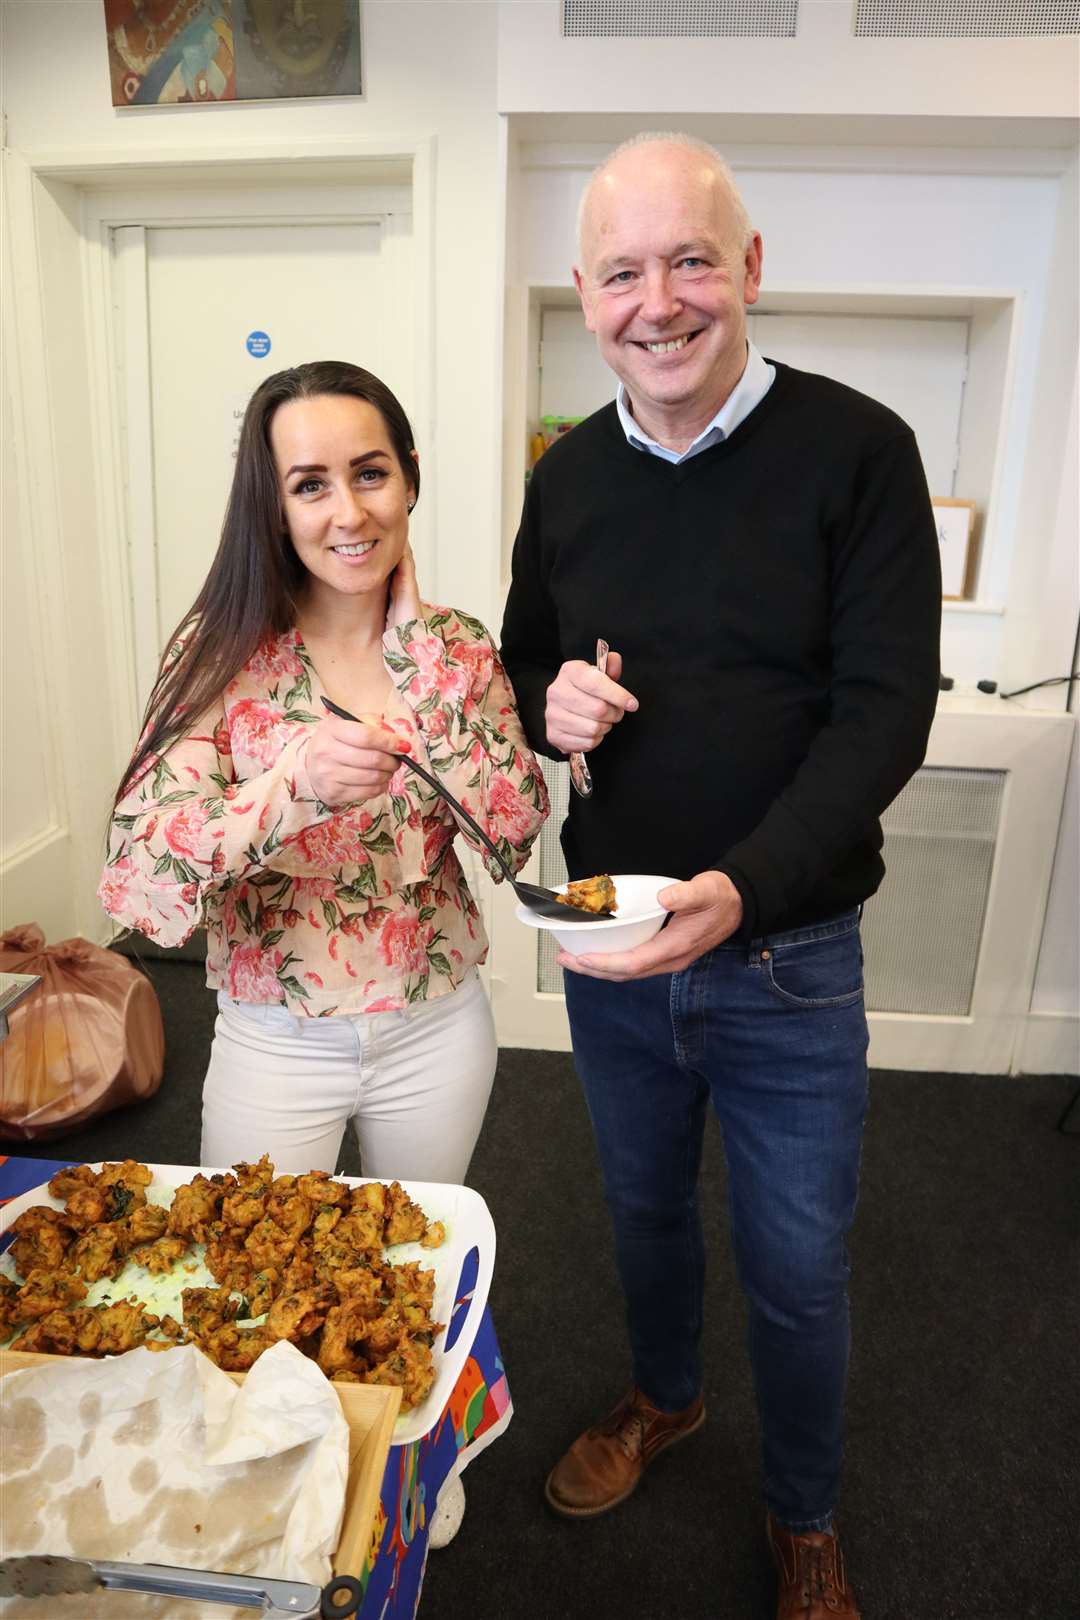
(776, 600)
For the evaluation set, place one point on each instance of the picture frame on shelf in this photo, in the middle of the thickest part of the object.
(955, 523)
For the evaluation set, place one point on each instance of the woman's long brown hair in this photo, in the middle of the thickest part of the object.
(251, 591)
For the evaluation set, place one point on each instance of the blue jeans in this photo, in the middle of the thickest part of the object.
(775, 1035)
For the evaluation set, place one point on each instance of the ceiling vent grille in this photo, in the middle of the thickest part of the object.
(671, 19)
(965, 19)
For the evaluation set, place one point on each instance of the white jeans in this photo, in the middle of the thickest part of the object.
(414, 1084)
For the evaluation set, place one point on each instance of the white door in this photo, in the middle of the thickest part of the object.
(209, 311)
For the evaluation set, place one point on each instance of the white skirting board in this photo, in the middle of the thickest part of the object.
(1049, 1044)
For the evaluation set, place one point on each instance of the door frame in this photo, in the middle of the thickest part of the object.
(61, 334)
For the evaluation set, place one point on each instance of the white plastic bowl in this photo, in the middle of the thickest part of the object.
(637, 919)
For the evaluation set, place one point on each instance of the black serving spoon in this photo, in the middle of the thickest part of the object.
(544, 902)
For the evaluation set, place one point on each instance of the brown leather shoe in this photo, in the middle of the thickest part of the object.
(605, 1463)
(810, 1575)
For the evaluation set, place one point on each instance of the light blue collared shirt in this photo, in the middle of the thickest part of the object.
(749, 391)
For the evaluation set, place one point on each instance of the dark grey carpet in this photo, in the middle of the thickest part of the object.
(962, 1484)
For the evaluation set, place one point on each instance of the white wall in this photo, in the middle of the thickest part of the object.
(825, 70)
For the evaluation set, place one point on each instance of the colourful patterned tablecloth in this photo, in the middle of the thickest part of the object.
(478, 1411)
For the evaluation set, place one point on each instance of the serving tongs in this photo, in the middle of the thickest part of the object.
(58, 1577)
(545, 902)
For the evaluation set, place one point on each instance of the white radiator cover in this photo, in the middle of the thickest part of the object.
(923, 930)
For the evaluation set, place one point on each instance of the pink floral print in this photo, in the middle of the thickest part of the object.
(255, 729)
(356, 909)
(184, 828)
(253, 974)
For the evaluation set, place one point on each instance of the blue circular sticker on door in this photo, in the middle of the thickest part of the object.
(258, 344)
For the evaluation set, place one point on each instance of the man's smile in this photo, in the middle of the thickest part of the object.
(665, 345)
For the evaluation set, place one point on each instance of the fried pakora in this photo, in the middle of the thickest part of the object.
(64, 1333)
(70, 1179)
(299, 1258)
(95, 1196)
(98, 1330)
(123, 1326)
(267, 1245)
(207, 1309)
(291, 1211)
(595, 894)
(193, 1208)
(340, 1351)
(9, 1298)
(98, 1253)
(42, 1238)
(45, 1291)
(160, 1257)
(410, 1367)
(143, 1225)
(404, 1221)
(236, 1349)
(298, 1316)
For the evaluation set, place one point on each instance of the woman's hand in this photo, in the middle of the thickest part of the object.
(404, 601)
(349, 761)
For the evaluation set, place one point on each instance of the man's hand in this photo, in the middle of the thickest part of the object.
(705, 911)
(583, 705)
(349, 761)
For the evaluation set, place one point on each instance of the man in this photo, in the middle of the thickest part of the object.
(756, 544)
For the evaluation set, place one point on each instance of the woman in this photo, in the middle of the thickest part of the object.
(342, 937)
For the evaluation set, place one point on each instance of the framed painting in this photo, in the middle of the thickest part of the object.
(955, 521)
(167, 51)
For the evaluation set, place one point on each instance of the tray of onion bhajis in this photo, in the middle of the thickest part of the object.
(363, 1276)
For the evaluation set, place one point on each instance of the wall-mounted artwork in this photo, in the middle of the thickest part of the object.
(167, 51)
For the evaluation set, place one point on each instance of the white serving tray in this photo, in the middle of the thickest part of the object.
(462, 1211)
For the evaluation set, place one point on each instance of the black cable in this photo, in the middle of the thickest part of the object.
(1054, 680)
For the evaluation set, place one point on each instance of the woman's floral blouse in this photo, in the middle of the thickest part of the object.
(360, 909)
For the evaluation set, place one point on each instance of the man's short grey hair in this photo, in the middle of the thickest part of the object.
(743, 226)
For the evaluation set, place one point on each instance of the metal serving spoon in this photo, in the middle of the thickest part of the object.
(544, 902)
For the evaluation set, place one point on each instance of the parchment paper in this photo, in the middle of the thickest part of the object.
(161, 1458)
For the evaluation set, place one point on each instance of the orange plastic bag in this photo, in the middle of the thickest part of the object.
(87, 1039)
